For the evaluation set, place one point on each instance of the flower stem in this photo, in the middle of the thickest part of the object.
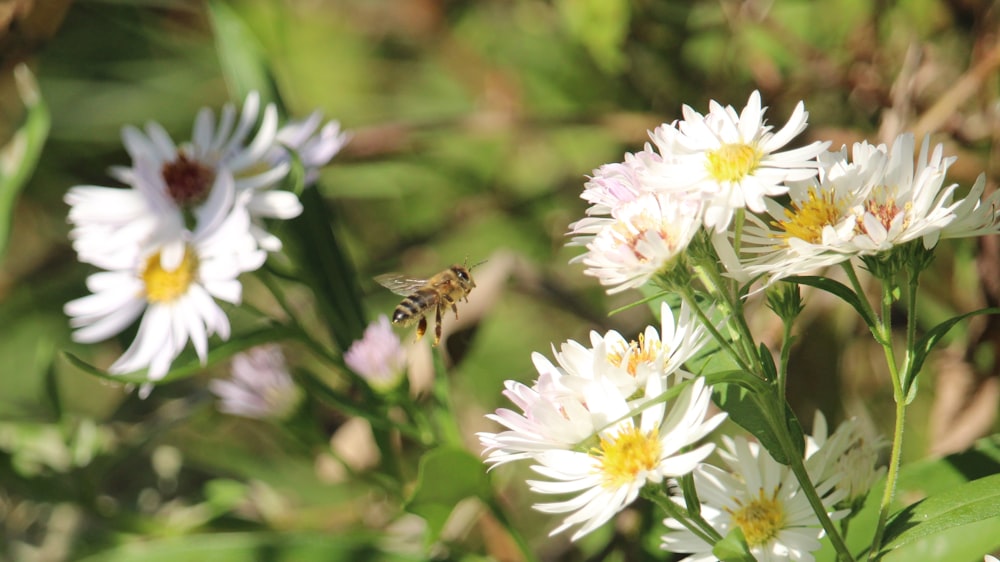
(890, 480)
(723, 342)
(900, 384)
(698, 526)
(802, 475)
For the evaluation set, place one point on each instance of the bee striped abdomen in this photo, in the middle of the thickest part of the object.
(414, 306)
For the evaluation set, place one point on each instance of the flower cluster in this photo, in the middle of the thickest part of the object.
(703, 170)
(762, 497)
(188, 222)
(603, 422)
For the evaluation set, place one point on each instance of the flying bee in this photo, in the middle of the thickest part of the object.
(439, 292)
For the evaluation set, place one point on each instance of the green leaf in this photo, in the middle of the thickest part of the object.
(749, 402)
(733, 548)
(767, 363)
(840, 290)
(969, 503)
(192, 365)
(325, 267)
(20, 155)
(240, 55)
(446, 476)
(925, 344)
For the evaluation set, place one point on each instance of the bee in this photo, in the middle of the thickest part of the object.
(439, 292)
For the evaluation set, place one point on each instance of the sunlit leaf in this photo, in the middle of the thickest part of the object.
(975, 501)
(733, 548)
(744, 397)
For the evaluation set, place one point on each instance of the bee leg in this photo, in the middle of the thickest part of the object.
(437, 325)
(454, 307)
(421, 327)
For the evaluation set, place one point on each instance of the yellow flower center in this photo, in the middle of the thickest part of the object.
(806, 219)
(761, 519)
(626, 455)
(188, 181)
(733, 162)
(635, 353)
(164, 286)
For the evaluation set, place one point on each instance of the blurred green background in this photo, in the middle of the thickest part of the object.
(475, 124)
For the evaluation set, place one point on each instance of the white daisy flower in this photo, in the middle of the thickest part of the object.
(849, 455)
(629, 363)
(878, 201)
(558, 412)
(186, 174)
(760, 496)
(815, 230)
(378, 357)
(645, 447)
(260, 386)
(171, 285)
(906, 202)
(731, 160)
(645, 237)
(560, 409)
(314, 146)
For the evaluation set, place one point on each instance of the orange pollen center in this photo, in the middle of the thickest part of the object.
(188, 181)
(884, 212)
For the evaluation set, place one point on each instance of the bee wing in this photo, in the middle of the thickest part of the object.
(400, 284)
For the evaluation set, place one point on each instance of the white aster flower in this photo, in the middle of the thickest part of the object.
(315, 146)
(646, 236)
(260, 386)
(171, 285)
(870, 205)
(378, 357)
(760, 496)
(849, 456)
(730, 160)
(816, 228)
(560, 410)
(645, 447)
(628, 364)
(186, 174)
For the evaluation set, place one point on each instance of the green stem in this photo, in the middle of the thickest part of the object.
(713, 279)
(701, 528)
(890, 480)
(786, 351)
(688, 295)
(900, 389)
(860, 292)
(805, 482)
